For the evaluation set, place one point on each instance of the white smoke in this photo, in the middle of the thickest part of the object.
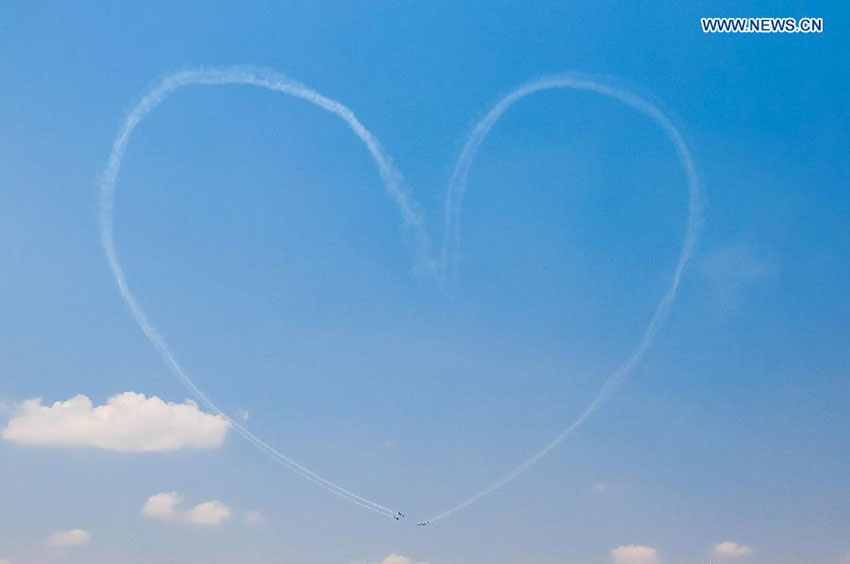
(451, 240)
(273, 81)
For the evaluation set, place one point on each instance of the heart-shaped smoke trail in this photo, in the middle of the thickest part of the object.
(271, 80)
(412, 218)
(451, 241)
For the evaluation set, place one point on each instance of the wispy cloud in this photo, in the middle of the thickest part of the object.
(732, 549)
(75, 537)
(128, 422)
(635, 554)
(164, 507)
(733, 271)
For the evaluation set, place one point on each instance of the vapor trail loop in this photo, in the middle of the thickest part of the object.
(451, 239)
(271, 80)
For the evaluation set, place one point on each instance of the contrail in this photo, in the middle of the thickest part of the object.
(412, 218)
(451, 241)
(271, 80)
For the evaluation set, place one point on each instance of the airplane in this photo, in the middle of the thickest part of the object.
(423, 524)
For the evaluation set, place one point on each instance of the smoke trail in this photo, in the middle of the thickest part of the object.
(451, 241)
(273, 81)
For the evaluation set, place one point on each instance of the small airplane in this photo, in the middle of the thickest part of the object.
(423, 524)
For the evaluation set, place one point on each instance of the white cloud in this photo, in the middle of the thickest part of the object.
(76, 537)
(163, 506)
(128, 422)
(394, 559)
(4, 561)
(635, 554)
(732, 549)
(399, 559)
(208, 513)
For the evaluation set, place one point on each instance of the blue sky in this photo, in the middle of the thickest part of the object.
(255, 231)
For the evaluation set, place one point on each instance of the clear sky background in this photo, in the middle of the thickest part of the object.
(256, 233)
